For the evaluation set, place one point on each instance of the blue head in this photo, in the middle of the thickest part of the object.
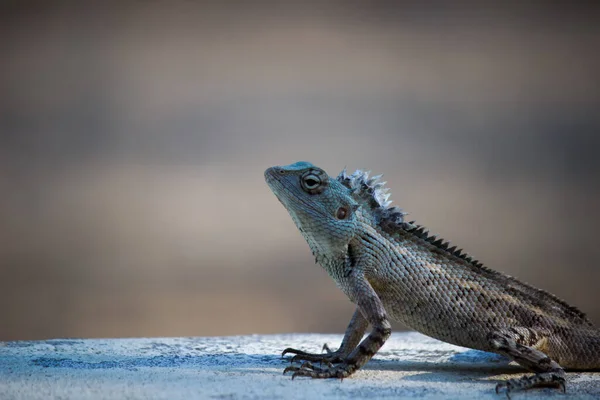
(322, 207)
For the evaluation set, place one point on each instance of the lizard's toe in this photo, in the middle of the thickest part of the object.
(307, 369)
(328, 359)
(323, 359)
(562, 387)
(307, 365)
(547, 379)
(289, 350)
(303, 372)
(290, 368)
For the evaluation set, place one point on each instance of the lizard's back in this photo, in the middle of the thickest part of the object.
(456, 299)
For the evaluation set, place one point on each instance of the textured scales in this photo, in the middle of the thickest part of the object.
(396, 270)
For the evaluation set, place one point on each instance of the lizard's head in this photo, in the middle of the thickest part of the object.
(322, 208)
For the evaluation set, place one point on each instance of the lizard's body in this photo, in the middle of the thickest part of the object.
(394, 270)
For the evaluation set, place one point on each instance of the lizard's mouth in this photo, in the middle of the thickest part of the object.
(274, 184)
(271, 180)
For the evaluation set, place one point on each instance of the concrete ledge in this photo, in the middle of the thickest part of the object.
(410, 365)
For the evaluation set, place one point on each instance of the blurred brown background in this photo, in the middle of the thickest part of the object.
(134, 137)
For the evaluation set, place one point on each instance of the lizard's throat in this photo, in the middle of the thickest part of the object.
(322, 244)
(325, 248)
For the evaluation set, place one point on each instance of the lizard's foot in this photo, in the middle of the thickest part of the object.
(340, 371)
(326, 358)
(544, 379)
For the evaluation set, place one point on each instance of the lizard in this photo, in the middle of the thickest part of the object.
(393, 269)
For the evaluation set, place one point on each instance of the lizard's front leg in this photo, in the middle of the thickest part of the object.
(354, 333)
(372, 309)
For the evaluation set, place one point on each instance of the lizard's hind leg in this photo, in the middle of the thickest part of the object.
(512, 343)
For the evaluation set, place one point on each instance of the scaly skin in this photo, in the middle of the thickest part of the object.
(394, 270)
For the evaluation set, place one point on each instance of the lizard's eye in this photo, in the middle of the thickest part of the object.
(314, 181)
(311, 182)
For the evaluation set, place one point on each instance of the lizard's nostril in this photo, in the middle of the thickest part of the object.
(278, 170)
(272, 171)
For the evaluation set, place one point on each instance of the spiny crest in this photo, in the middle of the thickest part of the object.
(372, 193)
(422, 233)
(513, 285)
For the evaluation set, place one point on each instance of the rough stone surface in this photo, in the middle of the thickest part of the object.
(410, 365)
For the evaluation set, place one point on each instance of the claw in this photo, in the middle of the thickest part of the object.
(290, 350)
(508, 389)
(290, 368)
(326, 349)
(561, 386)
(498, 386)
